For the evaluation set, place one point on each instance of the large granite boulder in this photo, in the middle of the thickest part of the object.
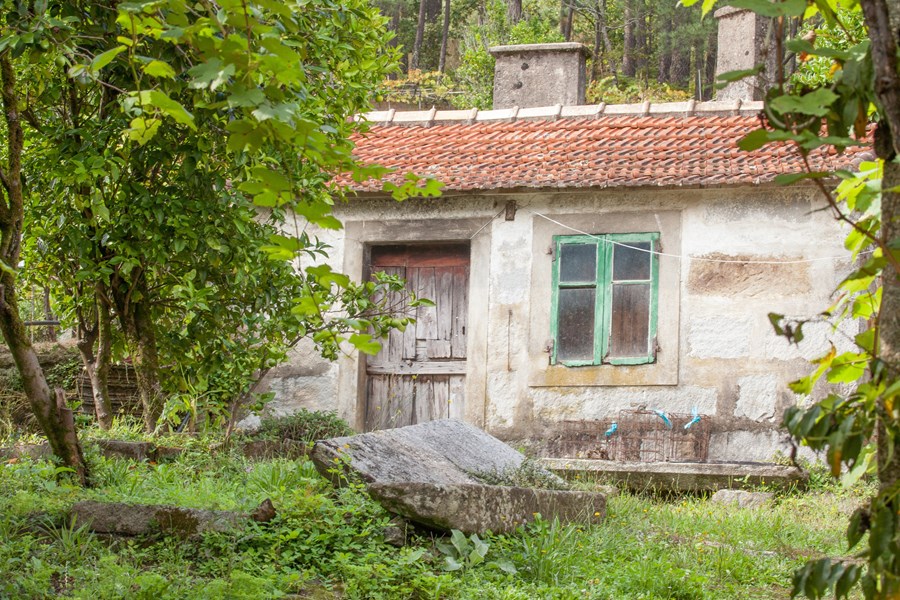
(435, 474)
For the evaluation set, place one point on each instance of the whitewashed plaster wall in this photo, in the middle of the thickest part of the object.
(728, 362)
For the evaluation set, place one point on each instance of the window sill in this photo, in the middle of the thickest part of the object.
(658, 373)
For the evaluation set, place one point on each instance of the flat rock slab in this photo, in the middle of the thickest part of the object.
(140, 519)
(429, 473)
(32, 451)
(477, 508)
(440, 452)
(742, 498)
(108, 448)
(672, 476)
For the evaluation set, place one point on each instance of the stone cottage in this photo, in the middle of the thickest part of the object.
(601, 273)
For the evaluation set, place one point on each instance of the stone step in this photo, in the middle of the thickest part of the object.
(679, 477)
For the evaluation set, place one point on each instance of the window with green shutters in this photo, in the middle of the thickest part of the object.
(604, 305)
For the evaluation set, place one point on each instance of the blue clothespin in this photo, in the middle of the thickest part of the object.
(612, 429)
(696, 419)
(664, 417)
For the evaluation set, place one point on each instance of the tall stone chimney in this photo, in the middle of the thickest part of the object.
(532, 75)
(745, 40)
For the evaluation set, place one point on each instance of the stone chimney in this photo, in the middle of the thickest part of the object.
(745, 40)
(532, 75)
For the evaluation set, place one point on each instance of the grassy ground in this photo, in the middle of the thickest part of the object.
(328, 543)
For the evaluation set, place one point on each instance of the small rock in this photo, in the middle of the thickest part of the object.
(742, 498)
(610, 491)
(130, 450)
(395, 532)
(264, 513)
(167, 452)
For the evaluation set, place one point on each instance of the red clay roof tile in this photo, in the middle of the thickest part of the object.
(607, 151)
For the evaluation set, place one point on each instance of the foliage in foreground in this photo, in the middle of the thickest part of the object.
(329, 541)
(852, 82)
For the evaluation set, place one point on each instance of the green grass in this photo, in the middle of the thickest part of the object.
(327, 541)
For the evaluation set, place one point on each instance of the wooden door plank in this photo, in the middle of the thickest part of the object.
(443, 283)
(424, 395)
(409, 335)
(426, 316)
(441, 396)
(436, 255)
(460, 304)
(377, 403)
(457, 396)
(443, 367)
(404, 401)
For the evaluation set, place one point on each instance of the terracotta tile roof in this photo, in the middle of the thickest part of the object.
(637, 147)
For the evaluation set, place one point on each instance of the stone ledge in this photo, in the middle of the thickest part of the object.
(680, 477)
(690, 108)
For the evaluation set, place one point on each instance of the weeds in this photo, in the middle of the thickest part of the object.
(328, 541)
(304, 426)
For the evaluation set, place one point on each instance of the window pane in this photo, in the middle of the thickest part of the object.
(630, 320)
(630, 263)
(577, 262)
(575, 328)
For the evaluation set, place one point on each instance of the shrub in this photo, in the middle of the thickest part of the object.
(304, 426)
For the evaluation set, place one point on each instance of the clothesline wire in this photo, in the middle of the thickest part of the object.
(679, 256)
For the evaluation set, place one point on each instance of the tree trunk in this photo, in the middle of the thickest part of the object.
(420, 35)
(709, 66)
(628, 66)
(140, 336)
(570, 23)
(445, 36)
(513, 11)
(48, 316)
(62, 440)
(97, 366)
(883, 21)
(640, 39)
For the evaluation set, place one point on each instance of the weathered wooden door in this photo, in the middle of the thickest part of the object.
(419, 375)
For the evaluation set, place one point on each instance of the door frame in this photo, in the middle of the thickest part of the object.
(360, 235)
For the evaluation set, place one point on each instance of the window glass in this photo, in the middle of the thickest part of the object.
(631, 261)
(575, 328)
(630, 325)
(577, 262)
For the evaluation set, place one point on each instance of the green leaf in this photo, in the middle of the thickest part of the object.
(846, 581)
(211, 74)
(365, 344)
(754, 140)
(787, 8)
(103, 59)
(817, 103)
(459, 541)
(157, 68)
(847, 368)
(792, 178)
(730, 76)
(505, 566)
(167, 106)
